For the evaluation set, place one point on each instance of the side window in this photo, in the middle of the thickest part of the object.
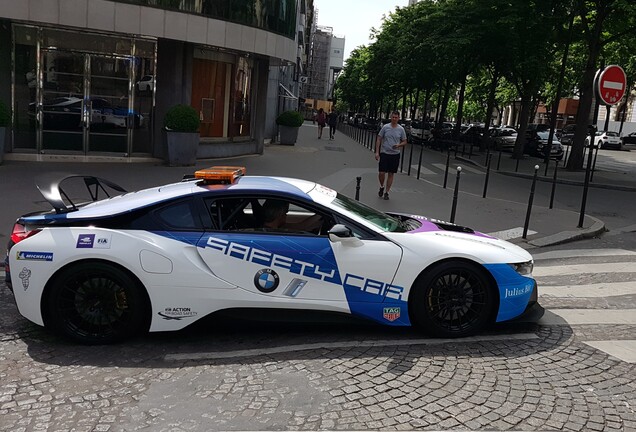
(178, 216)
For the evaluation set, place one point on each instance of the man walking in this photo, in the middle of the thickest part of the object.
(390, 140)
(332, 121)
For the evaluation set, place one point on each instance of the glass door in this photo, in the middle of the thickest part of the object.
(111, 118)
(61, 110)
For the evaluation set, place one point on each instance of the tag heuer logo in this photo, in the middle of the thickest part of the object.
(391, 313)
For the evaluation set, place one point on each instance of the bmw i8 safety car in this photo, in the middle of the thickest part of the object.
(159, 259)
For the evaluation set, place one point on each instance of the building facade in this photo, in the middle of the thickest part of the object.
(96, 77)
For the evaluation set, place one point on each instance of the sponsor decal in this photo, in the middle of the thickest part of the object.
(391, 313)
(93, 241)
(25, 274)
(177, 313)
(85, 241)
(34, 256)
(517, 292)
(266, 280)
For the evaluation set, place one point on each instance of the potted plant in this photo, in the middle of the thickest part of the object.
(182, 135)
(289, 122)
(5, 121)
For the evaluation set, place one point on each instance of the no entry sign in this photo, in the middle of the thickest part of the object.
(610, 85)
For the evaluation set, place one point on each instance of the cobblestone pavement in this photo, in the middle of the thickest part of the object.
(535, 377)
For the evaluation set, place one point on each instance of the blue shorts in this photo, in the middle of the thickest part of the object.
(389, 162)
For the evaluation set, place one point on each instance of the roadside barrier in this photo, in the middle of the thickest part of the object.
(554, 181)
(487, 175)
(455, 194)
(447, 165)
(534, 183)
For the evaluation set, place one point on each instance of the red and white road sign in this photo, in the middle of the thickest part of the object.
(611, 85)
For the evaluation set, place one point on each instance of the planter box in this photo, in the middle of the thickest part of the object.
(182, 148)
(288, 134)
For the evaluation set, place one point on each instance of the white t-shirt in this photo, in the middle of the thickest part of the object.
(391, 136)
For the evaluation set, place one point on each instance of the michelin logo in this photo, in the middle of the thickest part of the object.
(34, 256)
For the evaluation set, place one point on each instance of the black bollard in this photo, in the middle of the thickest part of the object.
(463, 149)
(446, 171)
(554, 180)
(594, 163)
(534, 183)
(499, 160)
(452, 218)
(586, 185)
(565, 158)
(419, 163)
(487, 175)
(470, 151)
(517, 165)
(547, 164)
(410, 162)
(358, 180)
(402, 159)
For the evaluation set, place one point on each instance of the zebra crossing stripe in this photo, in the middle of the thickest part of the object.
(588, 316)
(561, 270)
(624, 350)
(423, 171)
(576, 253)
(453, 168)
(589, 291)
(510, 234)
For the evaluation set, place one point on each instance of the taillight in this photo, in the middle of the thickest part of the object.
(20, 233)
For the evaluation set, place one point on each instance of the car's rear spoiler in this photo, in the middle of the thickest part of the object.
(49, 186)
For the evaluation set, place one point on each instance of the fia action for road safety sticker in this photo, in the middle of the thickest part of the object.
(177, 313)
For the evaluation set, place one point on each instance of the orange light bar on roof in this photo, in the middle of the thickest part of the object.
(220, 174)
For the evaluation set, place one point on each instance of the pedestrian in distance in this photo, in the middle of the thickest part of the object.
(388, 145)
(332, 120)
(321, 118)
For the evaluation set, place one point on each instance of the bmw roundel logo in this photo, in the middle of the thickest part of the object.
(266, 280)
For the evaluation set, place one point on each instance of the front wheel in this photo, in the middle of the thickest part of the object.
(95, 303)
(452, 299)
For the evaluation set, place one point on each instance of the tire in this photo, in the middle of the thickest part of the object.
(452, 299)
(95, 303)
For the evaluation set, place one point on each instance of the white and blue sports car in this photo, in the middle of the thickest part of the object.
(161, 258)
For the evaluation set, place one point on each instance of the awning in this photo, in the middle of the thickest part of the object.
(285, 92)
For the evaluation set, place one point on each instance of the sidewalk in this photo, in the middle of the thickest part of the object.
(336, 164)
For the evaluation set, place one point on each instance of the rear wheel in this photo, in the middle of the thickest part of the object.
(452, 299)
(95, 303)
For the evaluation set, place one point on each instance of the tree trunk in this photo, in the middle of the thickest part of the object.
(438, 109)
(442, 112)
(427, 98)
(403, 103)
(460, 105)
(414, 104)
(523, 125)
(490, 106)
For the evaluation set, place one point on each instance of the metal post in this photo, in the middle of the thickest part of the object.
(565, 158)
(410, 162)
(554, 180)
(517, 165)
(487, 174)
(419, 163)
(358, 180)
(547, 164)
(452, 218)
(534, 183)
(470, 151)
(586, 185)
(402, 159)
(594, 163)
(463, 148)
(446, 171)
(499, 160)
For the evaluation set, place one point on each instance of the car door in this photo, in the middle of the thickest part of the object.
(295, 264)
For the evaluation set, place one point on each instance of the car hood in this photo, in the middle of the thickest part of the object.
(450, 240)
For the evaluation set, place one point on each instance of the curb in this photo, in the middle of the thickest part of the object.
(598, 227)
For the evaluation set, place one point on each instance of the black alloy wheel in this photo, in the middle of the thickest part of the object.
(452, 299)
(95, 303)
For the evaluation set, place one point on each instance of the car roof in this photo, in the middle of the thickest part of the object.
(135, 200)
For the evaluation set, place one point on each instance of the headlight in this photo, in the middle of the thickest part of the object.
(524, 269)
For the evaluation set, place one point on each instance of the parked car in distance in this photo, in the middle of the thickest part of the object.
(567, 134)
(504, 138)
(146, 83)
(606, 140)
(629, 138)
(421, 131)
(537, 145)
(472, 135)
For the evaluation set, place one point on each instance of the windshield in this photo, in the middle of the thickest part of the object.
(371, 215)
(612, 134)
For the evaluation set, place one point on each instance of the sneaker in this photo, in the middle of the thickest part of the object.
(381, 192)
(386, 196)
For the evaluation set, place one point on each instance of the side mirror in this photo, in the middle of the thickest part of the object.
(342, 234)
